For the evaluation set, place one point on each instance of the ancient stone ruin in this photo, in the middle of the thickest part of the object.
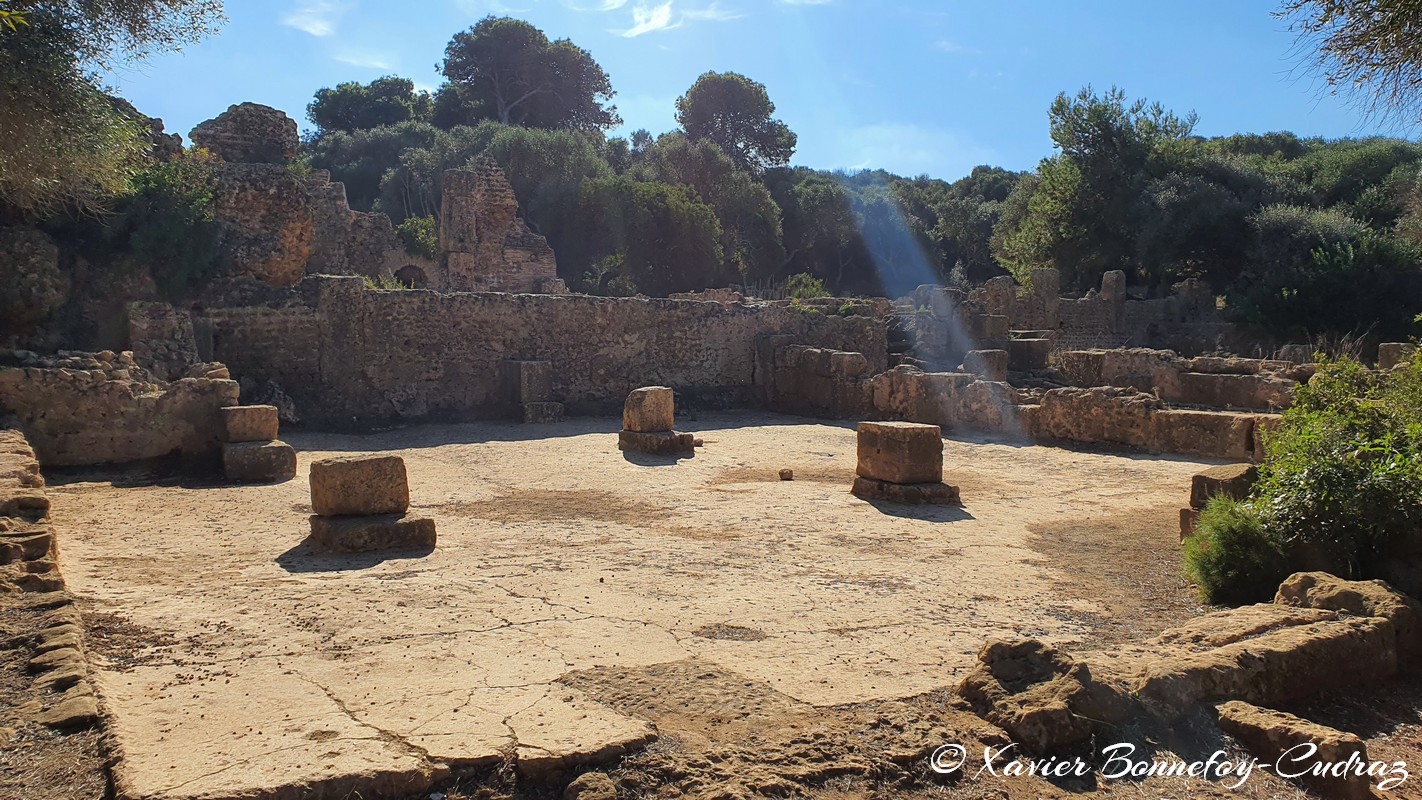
(791, 613)
(484, 245)
(648, 420)
(361, 504)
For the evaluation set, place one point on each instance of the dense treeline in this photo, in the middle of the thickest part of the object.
(1303, 235)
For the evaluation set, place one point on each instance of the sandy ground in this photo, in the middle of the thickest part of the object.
(234, 661)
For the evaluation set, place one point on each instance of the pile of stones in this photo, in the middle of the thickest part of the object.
(251, 452)
(361, 505)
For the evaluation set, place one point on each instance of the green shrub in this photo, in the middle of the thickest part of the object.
(385, 283)
(1232, 558)
(804, 286)
(420, 235)
(1340, 488)
(167, 223)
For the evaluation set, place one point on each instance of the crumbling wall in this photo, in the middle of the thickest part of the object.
(102, 408)
(347, 354)
(484, 244)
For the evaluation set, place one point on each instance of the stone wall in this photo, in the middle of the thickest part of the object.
(1216, 382)
(348, 355)
(840, 385)
(101, 408)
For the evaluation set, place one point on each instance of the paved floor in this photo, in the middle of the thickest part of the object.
(233, 661)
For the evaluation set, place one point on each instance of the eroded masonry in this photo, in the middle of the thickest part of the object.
(482, 521)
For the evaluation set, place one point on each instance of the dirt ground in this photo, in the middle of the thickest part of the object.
(737, 634)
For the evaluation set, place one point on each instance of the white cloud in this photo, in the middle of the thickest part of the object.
(316, 17)
(368, 60)
(647, 18)
(910, 149)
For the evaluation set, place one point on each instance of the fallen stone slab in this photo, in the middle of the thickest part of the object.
(651, 409)
(375, 534)
(657, 443)
(1283, 740)
(25, 547)
(1394, 354)
(1359, 598)
(249, 423)
(900, 452)
(1231, 480)
(63, 658)
(359, 486)
(913, 494)
(259, 462)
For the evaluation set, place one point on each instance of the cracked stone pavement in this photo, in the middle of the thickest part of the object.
(261, 669)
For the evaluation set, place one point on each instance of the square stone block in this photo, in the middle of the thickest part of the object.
(900, 452)
(1027, 355)
(1234, 480)
(657, 443)
(530, 381)
(651, 409)
(542, 413)
(913, 494)
(359, 486)
(989, 365)
(249, 423)
(385, 533)
(259, 462)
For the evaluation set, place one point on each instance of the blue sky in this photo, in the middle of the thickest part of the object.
(913, 86)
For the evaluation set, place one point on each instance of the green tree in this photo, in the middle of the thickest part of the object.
(734, 112)
(1370, 49)
(514, 74)
(62, 142)
(356, 106)
(360, 159)
(749, 218)
(659, 236)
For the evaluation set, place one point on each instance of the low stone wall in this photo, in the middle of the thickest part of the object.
(817, 382)
(1228, 383)
(102, 408)
(44, 636)
(349, 355)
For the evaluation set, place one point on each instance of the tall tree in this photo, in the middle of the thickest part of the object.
(735, 112)
(354, 106)
(1370, 48)
(512, 72)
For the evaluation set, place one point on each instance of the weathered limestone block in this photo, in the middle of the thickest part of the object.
(267, 221)
(657, 443)
(372, 534)
(162, 339)
(1360, 598)
(1264, 426)
(1231, 480)
(1103, 415)
(651, 409)
(912, 494)
(1042, 697)
(1392, 354)
(1113, 286)
(250, 423)
(900, 452)
(1270, 734)
(359, 486)
(249, 133)
(529, 381)
(1028, 355)
(987, 364)
(259, 462)
(1081, 368)
(1212, 434)
(1232, 391)
(542, 413)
